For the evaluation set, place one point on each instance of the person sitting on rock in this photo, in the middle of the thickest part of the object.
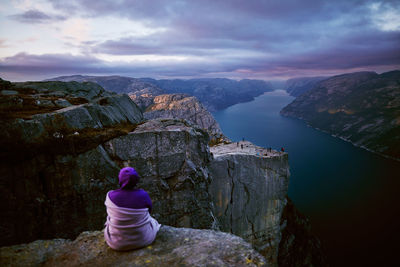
(129, 224)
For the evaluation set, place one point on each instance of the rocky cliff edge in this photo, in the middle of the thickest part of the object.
(172, 247)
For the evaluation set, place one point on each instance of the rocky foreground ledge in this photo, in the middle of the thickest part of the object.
(173, 247)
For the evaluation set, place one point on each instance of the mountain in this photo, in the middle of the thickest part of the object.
(362, 107)
(215, 94)
(298, 86)
(182, 106)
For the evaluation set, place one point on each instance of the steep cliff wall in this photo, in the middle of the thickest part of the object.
(171, 156)
(54, 172)
(249, 189)
(57, 166)
(55, 195)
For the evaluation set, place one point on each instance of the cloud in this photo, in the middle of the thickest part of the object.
(3, 43)
(36, 16)
(237, 38)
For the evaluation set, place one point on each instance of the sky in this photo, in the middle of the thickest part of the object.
(255, 39)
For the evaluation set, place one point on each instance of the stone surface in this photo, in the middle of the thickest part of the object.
(61, 193)
(140, 91)
(86, 90)
(55, 195)
(54, 131)
(172, 247)
(54, 170)
(171, 156)
(182, 106)
(362, 108)
(249, 189)
(62, 103)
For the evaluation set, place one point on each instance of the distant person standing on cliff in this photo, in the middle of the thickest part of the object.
(129, 224)
(282, 149)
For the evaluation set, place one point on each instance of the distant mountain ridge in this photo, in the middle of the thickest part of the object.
(362, 107)
(298, 86)
(213, 93)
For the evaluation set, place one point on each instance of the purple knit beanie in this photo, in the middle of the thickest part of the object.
(128, 178)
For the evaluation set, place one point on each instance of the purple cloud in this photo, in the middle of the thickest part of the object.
(237, 38)
(36, 16)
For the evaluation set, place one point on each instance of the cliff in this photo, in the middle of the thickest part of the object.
(362, 108)
(172, 247)
(249, 189)
(298, 86)
(55, 170)
(58, 163)
(186, 107)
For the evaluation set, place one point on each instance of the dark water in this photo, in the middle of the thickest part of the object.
(349, 194)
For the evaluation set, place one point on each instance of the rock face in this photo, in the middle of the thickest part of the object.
(171, 157)
(118, 84)
(298, 246)
(298, 86)
(363, 108)
(54, 169)
(62, 195)
(215, 94)
(57, 166)
(249, 190)
(172, 247)
(142, 93)
(186, 107)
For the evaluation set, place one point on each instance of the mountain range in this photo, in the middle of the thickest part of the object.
(214, 94)
(362, 107)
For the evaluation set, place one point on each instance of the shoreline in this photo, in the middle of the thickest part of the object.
(344, 139)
